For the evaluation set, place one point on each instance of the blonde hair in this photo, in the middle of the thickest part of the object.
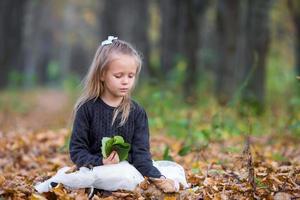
(93, 87)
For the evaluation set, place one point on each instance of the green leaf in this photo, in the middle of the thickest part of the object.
(166, 155)
(196, 170)
(295, 125)
(103, 148)
(122, 150)
(184, 150)
(108, 146)
(117, 144)
(118, 139)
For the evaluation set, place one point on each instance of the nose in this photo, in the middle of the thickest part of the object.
(125, 81)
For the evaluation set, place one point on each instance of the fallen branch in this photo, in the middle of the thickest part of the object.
(249, 164)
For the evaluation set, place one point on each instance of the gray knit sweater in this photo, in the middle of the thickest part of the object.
(93, 122)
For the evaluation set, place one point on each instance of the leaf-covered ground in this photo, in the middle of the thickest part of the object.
(225, 169)
(219, 171)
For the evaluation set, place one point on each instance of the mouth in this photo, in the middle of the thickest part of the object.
(124, 89)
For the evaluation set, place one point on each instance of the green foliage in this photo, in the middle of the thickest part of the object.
(53, 71)
(117, 144)
(71, 85)
(166, 155)
(196, 170)
(279, 157)
(232, 149)
(259, 183)
(15, 79)
(185, 150)
(30, 80)
(295, 128)
(177, 74)
(14, 101)
(206, 121)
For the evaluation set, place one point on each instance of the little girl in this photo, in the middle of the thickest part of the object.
(105, 109)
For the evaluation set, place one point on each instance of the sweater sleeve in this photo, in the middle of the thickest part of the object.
(141, 157)
(79, 142)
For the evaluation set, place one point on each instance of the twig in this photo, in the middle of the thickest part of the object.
(250, 166)
(249, 163)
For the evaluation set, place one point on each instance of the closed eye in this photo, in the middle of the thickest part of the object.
(131, 75)
(118, 75)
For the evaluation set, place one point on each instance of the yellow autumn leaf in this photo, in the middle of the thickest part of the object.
(35, 196)
(170, 197)
(2, 179)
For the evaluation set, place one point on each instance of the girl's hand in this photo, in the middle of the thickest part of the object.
(113, 158)
(165, 184)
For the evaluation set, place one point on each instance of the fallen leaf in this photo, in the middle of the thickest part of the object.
(170, 197)
(35, 196)
(282, 196)
(2, 180)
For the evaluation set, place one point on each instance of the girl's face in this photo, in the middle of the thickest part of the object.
(119, 76)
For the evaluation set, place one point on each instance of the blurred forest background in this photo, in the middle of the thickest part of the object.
(207, 65)
(214, 72)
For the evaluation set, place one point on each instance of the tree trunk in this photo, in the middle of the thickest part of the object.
(11, 26)
(258, 39)
(170, 35)
(244, 42)
(38, 42)
(195, 12)
(79, 60)
(228, 30)
(129, 21)
(180, 38)
(294, 6)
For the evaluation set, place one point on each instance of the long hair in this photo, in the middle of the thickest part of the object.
(93, 87)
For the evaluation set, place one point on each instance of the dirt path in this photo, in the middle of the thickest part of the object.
(47, 109)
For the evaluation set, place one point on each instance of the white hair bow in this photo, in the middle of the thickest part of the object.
(109, 40)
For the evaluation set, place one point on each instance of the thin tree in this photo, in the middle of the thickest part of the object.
(243, 33)
(180, 33)
(257, 37)
(129, 20)
(294, 7)
(11, 29)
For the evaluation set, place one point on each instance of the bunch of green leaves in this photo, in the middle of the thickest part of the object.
(117, 144)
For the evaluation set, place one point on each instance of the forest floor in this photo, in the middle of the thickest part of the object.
(33, 148)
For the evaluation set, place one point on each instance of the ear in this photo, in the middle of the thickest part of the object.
(102, 76)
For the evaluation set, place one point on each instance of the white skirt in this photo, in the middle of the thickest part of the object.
(121, 176)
